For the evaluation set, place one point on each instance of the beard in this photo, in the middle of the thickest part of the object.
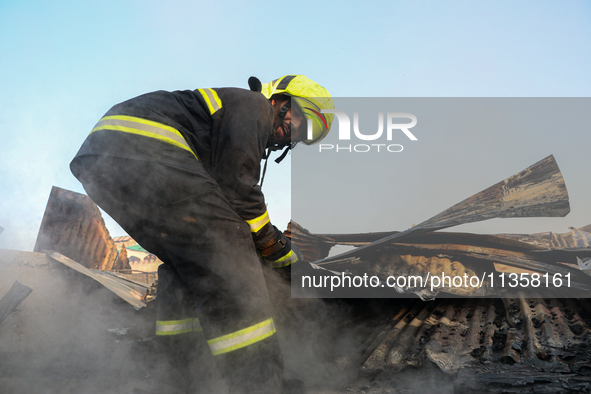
(281, 137)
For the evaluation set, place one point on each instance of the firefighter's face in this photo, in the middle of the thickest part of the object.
(292, 127)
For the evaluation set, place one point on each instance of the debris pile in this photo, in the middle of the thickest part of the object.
(57, 340)
(530, 339)
(77, 291)
(492, 345)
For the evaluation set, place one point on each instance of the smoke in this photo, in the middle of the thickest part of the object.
(37, 140)
(57, 340)
(75, 336)
(319, 342)
(427, 379)
(325, 342)
(71, 335)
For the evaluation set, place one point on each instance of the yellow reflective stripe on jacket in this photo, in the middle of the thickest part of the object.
(147, 128)
(212, 99)
(284, 261)
(257, 223)
(175, 327)
(242, 338)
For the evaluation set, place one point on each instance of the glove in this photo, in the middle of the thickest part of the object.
(280, 252)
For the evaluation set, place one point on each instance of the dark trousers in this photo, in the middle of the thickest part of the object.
(211, 270)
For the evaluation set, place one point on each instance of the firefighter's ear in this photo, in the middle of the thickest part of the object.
(255, 84)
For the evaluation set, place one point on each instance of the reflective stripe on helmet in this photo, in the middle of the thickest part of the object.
(176, 327)
(285, 81)
(284, 261)
(242, 338)
(212, 99)
(146, 128)
(259, 222)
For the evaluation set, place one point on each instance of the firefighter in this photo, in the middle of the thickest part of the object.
(180, 171)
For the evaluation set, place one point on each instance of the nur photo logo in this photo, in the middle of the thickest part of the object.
(392, 125)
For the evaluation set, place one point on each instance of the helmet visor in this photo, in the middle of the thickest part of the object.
(314, 118)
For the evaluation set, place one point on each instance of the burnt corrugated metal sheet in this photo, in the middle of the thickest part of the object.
(131, 291)
(481, 338)
(537, 191)
(73, 226)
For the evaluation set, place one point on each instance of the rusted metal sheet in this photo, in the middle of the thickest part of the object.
(537, 191)
(73, 226)
(481, 337)
(130, 291)
(11, 300)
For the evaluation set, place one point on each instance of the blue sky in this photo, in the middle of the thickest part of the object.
(65, 63)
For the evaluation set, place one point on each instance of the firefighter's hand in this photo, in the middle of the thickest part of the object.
(280, 252)
(285, 271)
(296, 250)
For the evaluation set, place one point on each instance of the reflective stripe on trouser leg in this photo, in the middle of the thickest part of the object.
(176, 327)
(176, 305)
(242, 338)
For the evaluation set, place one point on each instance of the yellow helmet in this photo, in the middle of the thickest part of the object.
(311, 99)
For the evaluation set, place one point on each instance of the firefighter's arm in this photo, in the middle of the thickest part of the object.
(241, 142)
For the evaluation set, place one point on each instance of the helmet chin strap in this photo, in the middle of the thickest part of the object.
(278, 160)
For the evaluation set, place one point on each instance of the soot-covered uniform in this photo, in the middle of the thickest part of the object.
(179, 172)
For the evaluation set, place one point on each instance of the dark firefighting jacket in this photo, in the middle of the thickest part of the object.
(226, 129)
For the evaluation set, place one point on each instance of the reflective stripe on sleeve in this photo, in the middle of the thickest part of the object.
(242, 338)
(175, 327)
(284, 261)
(147, 128)
(212, 99)
(258, 223)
